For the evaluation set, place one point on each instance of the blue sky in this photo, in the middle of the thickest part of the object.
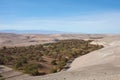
(80, 16)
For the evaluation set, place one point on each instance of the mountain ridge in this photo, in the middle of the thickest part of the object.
(33, 31)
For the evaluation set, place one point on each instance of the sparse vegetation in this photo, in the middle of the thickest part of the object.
(1, 77)
(32, 69)
(46, 58)
(53, 70)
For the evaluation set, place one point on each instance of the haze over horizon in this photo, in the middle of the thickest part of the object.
(77, 16)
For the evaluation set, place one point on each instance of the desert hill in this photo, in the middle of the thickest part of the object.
(11, 39)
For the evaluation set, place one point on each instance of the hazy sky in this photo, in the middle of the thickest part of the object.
(85, 16)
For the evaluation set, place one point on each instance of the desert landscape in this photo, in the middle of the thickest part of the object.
(59, 39)
(102, 64)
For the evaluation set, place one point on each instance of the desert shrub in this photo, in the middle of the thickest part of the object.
(53, 62)
(2, 79)
(53, 70)
(2, 61)
(23, 60)
(39, 59)
(0, 75)
(20, 62)
(60, 65)
(64, 59)
(32, 69)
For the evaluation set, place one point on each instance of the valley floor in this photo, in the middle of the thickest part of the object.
(103, 64)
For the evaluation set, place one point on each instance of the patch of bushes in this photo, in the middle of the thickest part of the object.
(2, 79)
(53, 70)
(54, 62)
(32, 69)
(0, 75)
(20, 62)
(59, 52)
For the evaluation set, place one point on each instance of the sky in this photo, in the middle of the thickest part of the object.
(78, 16)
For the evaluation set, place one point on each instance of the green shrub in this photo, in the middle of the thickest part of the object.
(32, 69)
(0, 75)
(2, 79)
(53, 70)
(20, 62)
(60, 65)
(54, 62)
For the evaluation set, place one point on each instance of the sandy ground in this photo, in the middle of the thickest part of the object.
(103, 64)
(10, 74)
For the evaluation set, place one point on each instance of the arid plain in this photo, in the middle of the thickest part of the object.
(103, 64)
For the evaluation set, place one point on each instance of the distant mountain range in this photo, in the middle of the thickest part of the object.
(32, 31)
